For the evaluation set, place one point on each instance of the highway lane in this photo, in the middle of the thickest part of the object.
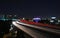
(28, 31)
(40, 28)
(35, 33)
(40, 24)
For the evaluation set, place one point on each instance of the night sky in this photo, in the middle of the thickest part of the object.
(30, 7)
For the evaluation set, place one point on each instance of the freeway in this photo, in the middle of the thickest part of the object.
(41, 24)
(36, 31)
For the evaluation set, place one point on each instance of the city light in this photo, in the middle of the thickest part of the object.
(36, 19)
(53, 17)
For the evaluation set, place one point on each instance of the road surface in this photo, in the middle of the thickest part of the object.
(37, 32)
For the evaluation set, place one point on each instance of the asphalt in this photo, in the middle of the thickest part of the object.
(38, 32)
